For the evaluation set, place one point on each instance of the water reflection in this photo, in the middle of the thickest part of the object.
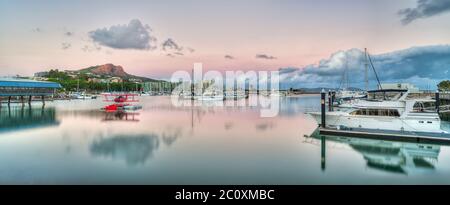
(19, 118)
(121, 116)
(388, 156)
(133, 149)
(265, 126)
(292, 106)
(171, 135)
(202, 145)
(228, 125)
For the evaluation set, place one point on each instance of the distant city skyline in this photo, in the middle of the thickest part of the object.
(156, 38)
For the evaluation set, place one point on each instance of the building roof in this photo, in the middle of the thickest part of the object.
(13, 82)
(387, 90)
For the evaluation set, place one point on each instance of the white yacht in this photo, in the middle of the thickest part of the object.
(346, 95)
(235, 95)
(212, 96)
(82, 96)
(395, 113)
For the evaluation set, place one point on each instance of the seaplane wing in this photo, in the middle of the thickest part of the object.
(120, 97)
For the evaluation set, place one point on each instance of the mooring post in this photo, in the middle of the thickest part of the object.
(329, 101)
(322, 155)
(333, 96)
(322, 102)
(43, 100)
(437, 101)
(9, 101)
(192, 92)
(235, 90)
(29, 101)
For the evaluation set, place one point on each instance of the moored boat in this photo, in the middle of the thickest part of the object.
(395, 114)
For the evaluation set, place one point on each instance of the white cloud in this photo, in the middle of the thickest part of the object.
(65, 45)
(135, 35)
(428, 63)
(264, 56)
(424, 9)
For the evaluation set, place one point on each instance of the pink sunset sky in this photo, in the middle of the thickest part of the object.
(223, 35)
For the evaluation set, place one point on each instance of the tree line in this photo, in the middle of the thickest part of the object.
(82, 83)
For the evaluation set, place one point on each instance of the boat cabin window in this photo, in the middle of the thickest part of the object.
(384, 95)
(424, 106)
(377, 112)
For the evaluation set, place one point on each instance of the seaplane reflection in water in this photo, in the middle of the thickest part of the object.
(121, 116)
(389, 156)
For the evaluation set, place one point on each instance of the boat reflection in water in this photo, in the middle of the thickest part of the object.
(20, 118)
(390, 156)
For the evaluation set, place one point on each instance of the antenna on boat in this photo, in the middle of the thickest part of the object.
(346, 68)
(366, 66)
(376, 75)
(344, 79)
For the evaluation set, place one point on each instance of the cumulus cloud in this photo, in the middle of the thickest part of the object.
(174, 49)
(417, 64)
(68, 33)
(191, 50)
(229, 57)
(287, 70)
(264, 56)
(36, 30)
(133, 35)
(170, 44)
(65, 45)
(90, 48)
(424, 9)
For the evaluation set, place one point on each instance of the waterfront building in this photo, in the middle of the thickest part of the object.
(11, 87)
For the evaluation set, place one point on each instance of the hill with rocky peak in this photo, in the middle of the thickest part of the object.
(110, 70)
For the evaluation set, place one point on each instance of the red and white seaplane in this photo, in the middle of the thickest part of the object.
(122, 102)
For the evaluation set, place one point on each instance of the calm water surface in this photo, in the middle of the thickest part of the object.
(72, 142)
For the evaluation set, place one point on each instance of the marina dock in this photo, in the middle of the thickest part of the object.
(381, 135)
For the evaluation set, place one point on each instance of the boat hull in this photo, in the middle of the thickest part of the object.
(424, 124)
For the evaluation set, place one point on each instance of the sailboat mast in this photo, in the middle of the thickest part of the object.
(366, 67)
(347, 70)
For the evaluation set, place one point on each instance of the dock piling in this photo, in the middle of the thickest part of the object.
(323, 152)
(437, 97)
(333, 97)
(322, 102)
(29, 101)
(330, 102)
